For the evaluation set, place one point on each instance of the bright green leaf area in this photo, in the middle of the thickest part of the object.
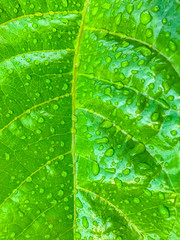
(89, 124)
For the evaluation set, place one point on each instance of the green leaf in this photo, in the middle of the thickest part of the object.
(89, 120)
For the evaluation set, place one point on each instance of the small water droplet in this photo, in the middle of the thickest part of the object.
(106, 124)
(41, 120)
(102, 140)
(55, 107)
(136, 200)
(60, 193)
(173, 132)
(64, 174)
(126, 171)
(155, 116)
(79, 203)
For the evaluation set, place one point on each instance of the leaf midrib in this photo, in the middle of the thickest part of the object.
(75, 68)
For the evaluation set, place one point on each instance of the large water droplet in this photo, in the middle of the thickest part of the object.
(95, 168)
(164, 211)
(118, 182)
(145, 17)
(85, 222)
(109, 152)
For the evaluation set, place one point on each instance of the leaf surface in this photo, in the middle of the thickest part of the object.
(89, 119)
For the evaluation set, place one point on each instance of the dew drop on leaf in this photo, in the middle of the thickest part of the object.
(173, 132)
(106, 124)
(85, 222)
(56, 107)
(129, 8)
(164, 211)
(60, 193)
(41, 120)
(124, 64)
(126, 171)
(79, 203)
(161, 195)
(95, 168)
(155, 116)
(136, 200)
(108, 59)
(64, 174)
(172, 46)
(145, 17)
(110, 170)
(109, 152)
(118, 182)
(102, 140)
(41, 190)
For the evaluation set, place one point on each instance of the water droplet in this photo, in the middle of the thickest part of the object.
(126, 171)
(50, 226)
(64, 174)
(173, 132)
(145, 51)
(36, 62)
(95, 168)
(108, 92)
(32, 6)
(161, 195)
(60, 193)
(149, 33)
(78, 235)
(38, 131)
(65, 86)
(136, 200)
(119, 238)
(28, 77)
(79, 203)
(106, 124)
(145, 17)
(124, 64)
(55, 107)
(85, 222)
(164, 211)
(41, 190)
(172, 46)
(108, 59)
(109, 152)
(118, 182)
(164, 21)
(110, 170)
(102, 140)
(155, 8)
(129, 8)
(41, 120)
(139, 5)
(147, 192)
(155, 116)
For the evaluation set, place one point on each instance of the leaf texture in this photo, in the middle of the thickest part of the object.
(89, 119)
